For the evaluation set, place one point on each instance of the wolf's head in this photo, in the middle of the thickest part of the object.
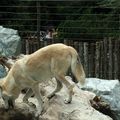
(8, 99)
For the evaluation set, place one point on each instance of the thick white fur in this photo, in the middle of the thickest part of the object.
(48, 62)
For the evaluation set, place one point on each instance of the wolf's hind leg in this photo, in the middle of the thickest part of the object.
(39, 99)
(68, 85)
(57, 89)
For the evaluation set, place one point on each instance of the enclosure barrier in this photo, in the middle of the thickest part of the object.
(81, 22)
(100, 59)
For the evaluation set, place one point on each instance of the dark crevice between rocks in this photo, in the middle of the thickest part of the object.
(16, 114)
(102, 106)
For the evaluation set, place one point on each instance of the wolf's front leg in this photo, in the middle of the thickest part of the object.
(57, 89)
(9, 102)
(28, 94)
(40, 101)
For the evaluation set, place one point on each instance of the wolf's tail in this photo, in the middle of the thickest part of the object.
(77, 68)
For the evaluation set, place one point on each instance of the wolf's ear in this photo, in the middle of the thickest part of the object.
(0, 92)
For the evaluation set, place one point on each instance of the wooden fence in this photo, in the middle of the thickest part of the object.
(100, 59)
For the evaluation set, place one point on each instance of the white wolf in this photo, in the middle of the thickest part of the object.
(48, 62)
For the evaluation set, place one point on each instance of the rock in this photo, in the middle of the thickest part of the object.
(79, 109)
(100, 86)
(56, 109)
(3, 72)
(108, 90)
(10, 44)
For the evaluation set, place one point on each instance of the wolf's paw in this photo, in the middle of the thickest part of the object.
(40, 112)
(32, 105)
(37, 114)
(67, 101)
(50, 96)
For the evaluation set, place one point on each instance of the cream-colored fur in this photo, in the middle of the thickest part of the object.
(48, 62)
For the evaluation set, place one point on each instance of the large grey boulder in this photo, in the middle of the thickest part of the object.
(3, 72)
(10, 43)
(109, 90)
(79, 109)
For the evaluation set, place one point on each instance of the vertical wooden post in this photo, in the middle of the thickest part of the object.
(97, 55)
(91, 61)
(118, 59)
(115, 58)
(38, 22)
(65, 41)
(110, 59)
(76, 45)
(27, 46)
(85, 46)
(105, 58)
(101, 60)
(81, 51)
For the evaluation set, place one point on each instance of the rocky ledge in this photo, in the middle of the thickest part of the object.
(56, 109)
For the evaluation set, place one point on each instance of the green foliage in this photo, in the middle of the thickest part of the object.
(74, 19)
(90, 22)
(110, 3)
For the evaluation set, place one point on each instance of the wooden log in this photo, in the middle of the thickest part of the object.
(81, 50)
(118, 59)
(27, 46)
(90, 60)
(65, 41)
(85, 45)
(105, 58)
(97, 57)
(23, 49)
(110, 58)
(115, 59)
(101, 60)
(93, 59)
(76, 45)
